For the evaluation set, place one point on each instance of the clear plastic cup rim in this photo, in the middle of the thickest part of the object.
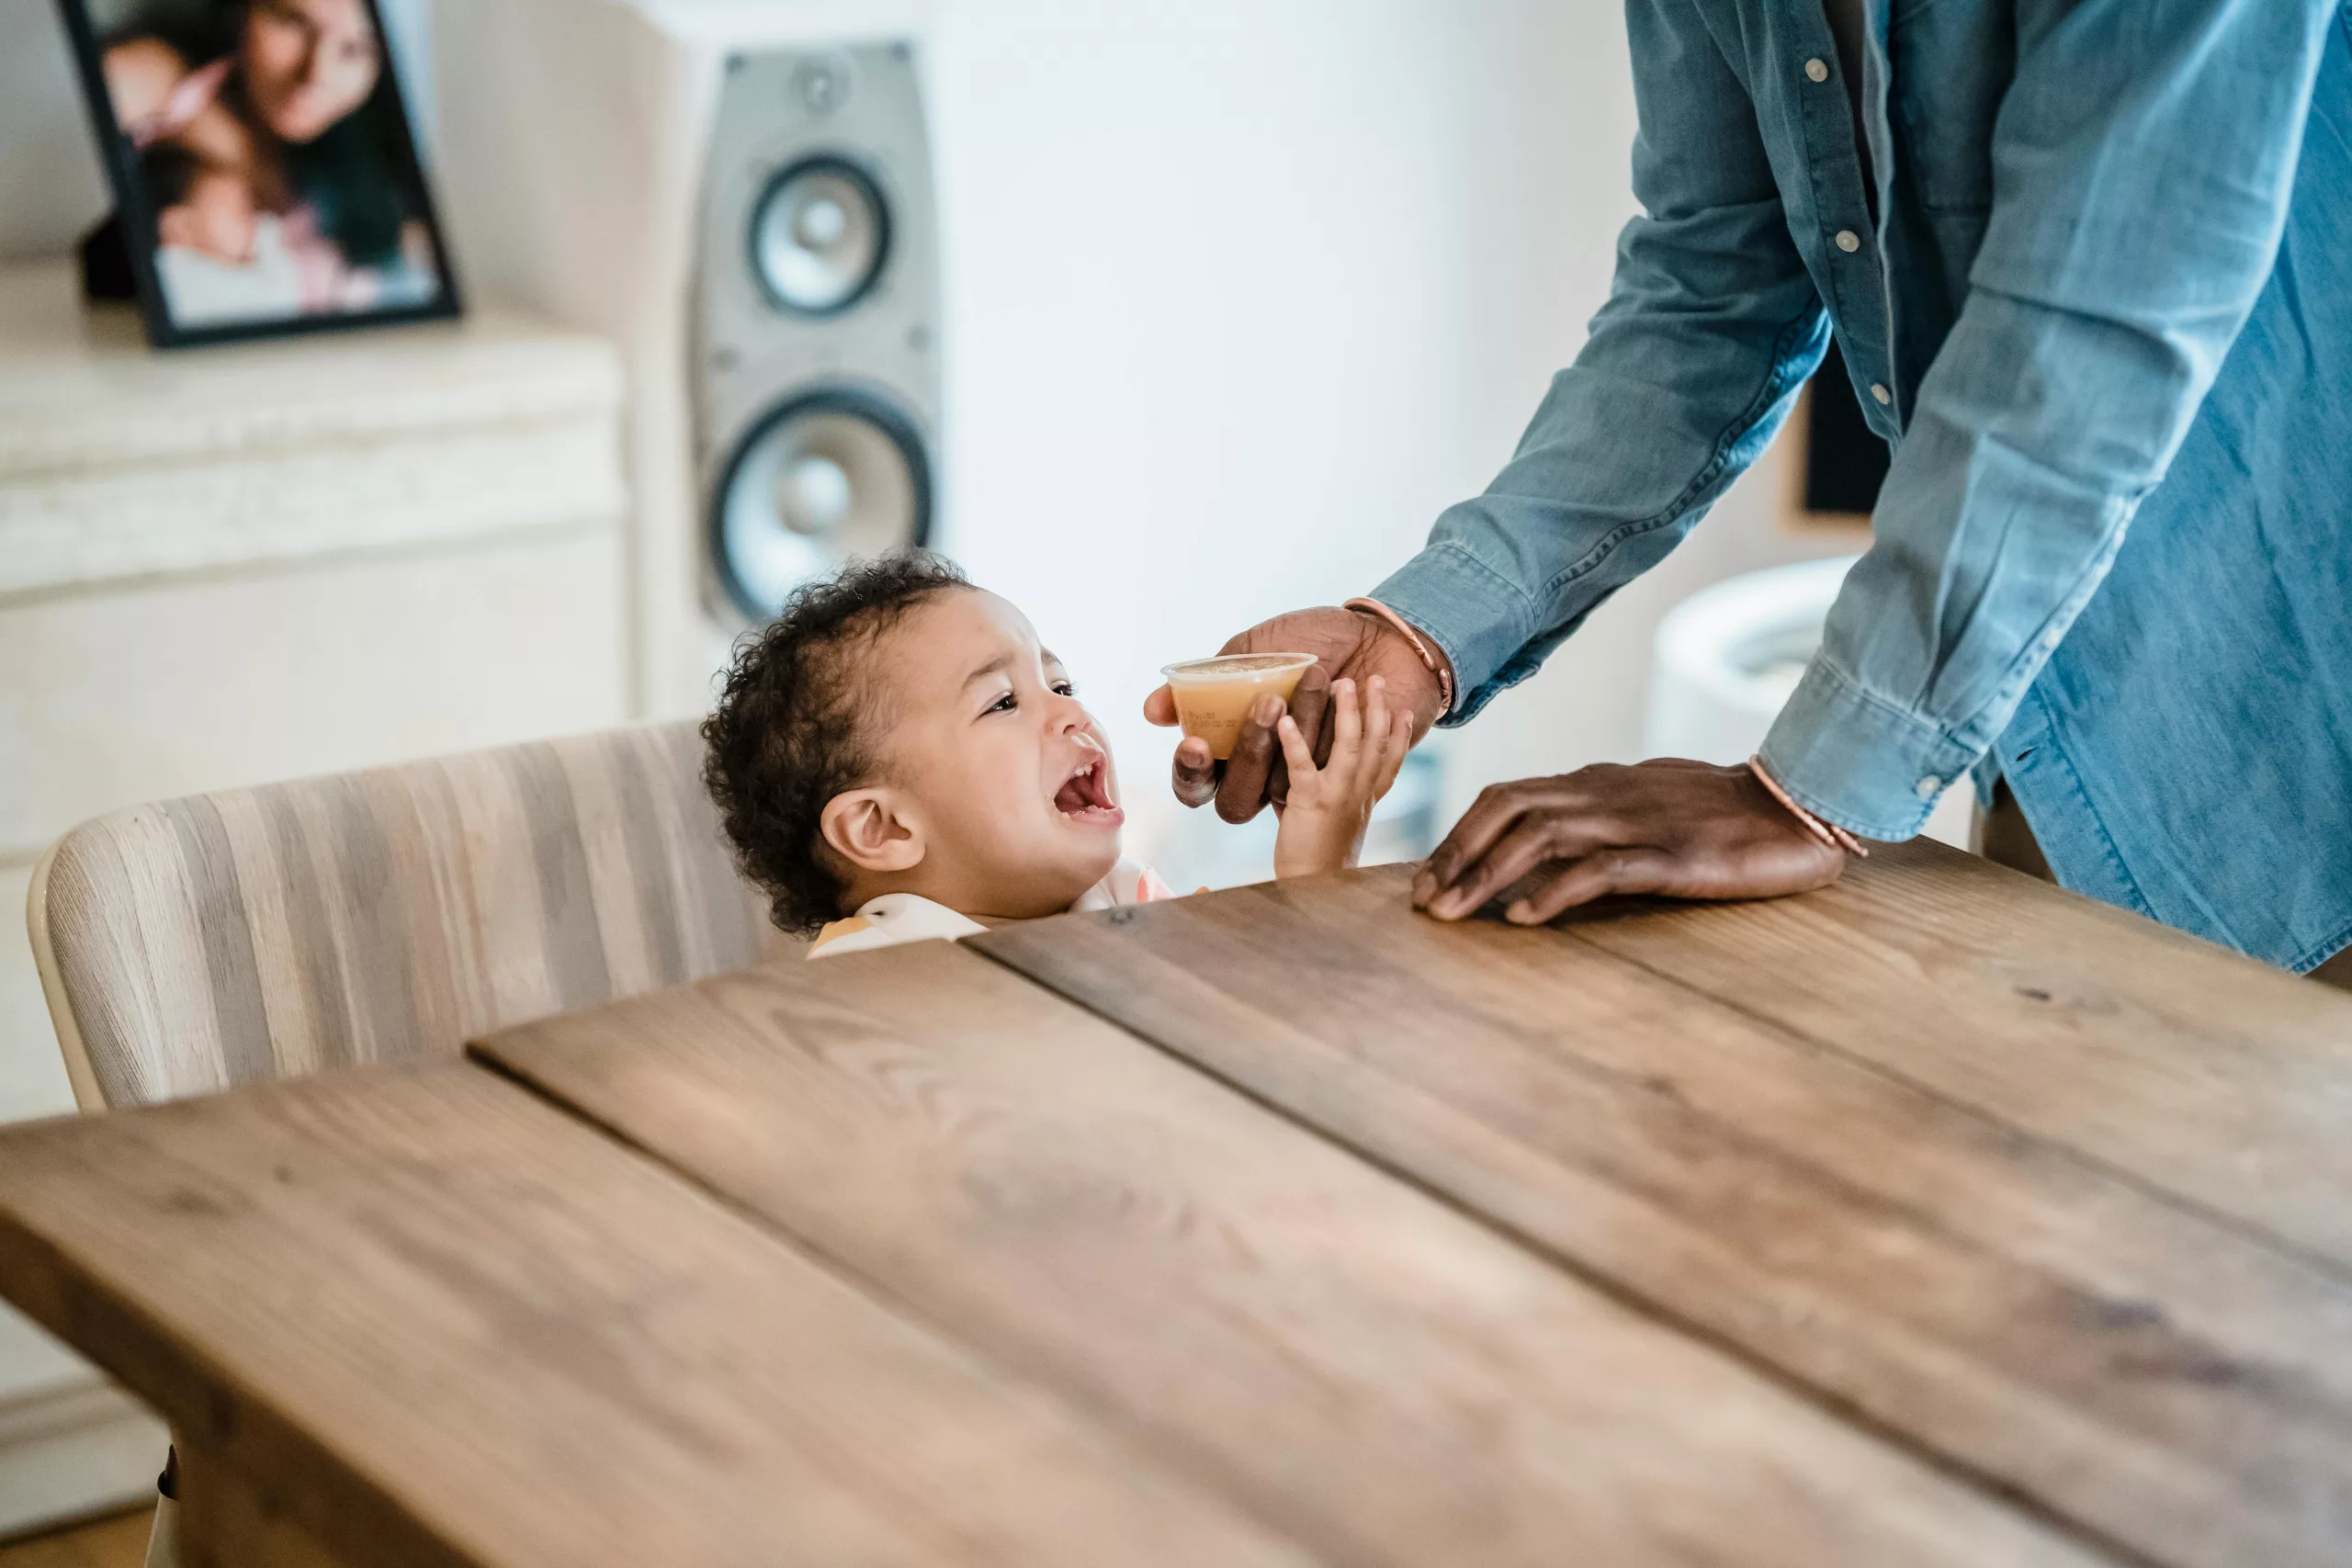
(1218, 668)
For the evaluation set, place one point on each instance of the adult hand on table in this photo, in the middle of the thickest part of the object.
(1347, 643)
(1683, 829)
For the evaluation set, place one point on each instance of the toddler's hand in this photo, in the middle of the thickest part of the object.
(1323, 823)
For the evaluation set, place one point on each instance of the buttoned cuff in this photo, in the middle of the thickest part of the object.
(1488, 627)
(1854, 758)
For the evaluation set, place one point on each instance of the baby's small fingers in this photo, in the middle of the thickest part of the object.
(1295, 752)
(1392, 754)
(1375, 733)
(1349, 733)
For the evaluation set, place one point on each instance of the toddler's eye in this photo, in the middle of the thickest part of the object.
(1005, 704)
(1065, 689)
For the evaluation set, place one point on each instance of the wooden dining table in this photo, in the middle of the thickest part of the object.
(1938, 1217)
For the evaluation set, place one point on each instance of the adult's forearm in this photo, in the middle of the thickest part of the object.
(1635, 442)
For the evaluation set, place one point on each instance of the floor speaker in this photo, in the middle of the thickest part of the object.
(817, 299)
(740, 196)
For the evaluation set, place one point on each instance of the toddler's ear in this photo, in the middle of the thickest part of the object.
(865, 827)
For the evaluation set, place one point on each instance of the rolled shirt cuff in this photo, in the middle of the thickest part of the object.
(1486, 625)
(1854, 758)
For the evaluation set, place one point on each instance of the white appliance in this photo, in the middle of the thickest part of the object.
(740, 195)
(1729, 656)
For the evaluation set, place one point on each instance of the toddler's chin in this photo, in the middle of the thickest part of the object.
(1085, 871)
(1102, 861)
(1050, 884)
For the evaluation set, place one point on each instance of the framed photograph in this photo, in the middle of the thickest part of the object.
(264, 177)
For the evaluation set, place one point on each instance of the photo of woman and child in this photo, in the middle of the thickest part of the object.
(272, 152)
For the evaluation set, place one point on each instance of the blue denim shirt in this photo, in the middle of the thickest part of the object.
(2111, 286)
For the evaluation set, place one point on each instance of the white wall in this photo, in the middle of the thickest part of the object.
(1241, 293)
(52, 188)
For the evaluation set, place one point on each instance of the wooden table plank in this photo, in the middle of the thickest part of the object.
(2165, 1378)
(428, 1319)
(224, 1522)
(2187, 1067)
(1380, 1377)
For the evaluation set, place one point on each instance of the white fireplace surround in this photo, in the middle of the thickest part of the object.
(229, 565)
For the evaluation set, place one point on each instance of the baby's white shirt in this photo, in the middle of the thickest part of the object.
(894, 918)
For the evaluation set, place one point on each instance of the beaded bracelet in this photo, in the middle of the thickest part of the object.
(1443, 673)
(1831, 835)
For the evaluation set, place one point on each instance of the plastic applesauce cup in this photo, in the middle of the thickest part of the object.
(1213, 696)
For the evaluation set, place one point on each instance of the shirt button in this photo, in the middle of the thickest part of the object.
(1881, 394)
(1817, 70)
(1926, 788)
(1848, 241)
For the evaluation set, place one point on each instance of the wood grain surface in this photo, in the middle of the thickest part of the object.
(117, 1542)
(223, 1520)
(2160, 1373)
(1366, 1368)
(2177, 1062)
(423, 1318)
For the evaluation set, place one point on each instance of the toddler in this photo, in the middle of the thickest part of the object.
(898, 758)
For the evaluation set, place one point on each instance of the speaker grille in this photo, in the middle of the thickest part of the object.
(831, 472)
(820, 236)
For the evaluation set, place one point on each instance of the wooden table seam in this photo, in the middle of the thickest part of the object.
(1633, 1300)
(1151, 1442)
(255, 1441)
(1918, 1220)
(1824, 1151)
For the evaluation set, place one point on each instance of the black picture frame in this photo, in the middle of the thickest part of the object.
(136, 214)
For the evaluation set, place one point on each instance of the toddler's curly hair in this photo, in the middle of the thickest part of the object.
(787, 734)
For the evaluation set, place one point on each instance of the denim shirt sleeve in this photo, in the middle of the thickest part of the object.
(2143, 159)
(1711, 325)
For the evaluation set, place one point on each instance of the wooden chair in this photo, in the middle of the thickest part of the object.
(382, 916)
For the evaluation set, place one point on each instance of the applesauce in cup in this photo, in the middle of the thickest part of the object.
(1213, 696)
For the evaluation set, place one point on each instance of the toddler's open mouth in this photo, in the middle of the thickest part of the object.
(1085, 795)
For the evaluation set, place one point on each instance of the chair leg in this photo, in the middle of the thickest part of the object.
(164, 1535)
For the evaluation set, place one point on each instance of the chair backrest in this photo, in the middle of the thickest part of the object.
(382, 916)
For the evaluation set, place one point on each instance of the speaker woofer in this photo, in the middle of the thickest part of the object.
(830, 473)
(821, 233)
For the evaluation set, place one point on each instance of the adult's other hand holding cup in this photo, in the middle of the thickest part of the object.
(1344, 642)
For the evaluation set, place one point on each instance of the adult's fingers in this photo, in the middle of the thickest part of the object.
(1532, 840)
(1159, 708)
(1603, 872)
(1488, 818)
(1192, 774)
(1242, 793)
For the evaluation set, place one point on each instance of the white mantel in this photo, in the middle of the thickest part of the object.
(118, 462)
(225, 565)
